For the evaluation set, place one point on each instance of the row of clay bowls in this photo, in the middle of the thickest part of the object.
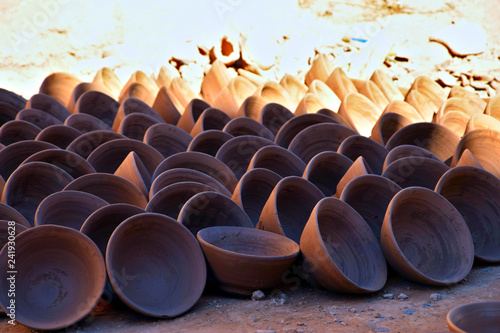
(151, 170)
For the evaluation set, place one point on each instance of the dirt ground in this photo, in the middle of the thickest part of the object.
(79, 37)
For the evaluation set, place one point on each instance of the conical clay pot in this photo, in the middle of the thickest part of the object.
(325, 170)
(8, 213)
(247, 126)
(387, 125)
(18, 130)
(295, 125)
(167, 139)
(361, 113)
(134, 170)
(415, 171)
(373, 153)
(211, 118)
(191, 114)
(277, 159)
(99, 105)
(135, 125)
(468, 158)
(50, 105)
(86, 143)
(84, 123)
(38, 117)
(407, 151)
(358, 168)
(60, 86)
(209, 142)
(273, 116)
(58, 135)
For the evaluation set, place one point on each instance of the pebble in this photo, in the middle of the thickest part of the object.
(436, 297)
(402, 296)
(461, 39)
(258, 295)
(378, 315)
(388, 296)
(265, 331)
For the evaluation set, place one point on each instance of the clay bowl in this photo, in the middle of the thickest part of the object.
(420, 102)
(171, 281)
(86, 143)
(59, 86)
(358, 168)
(325, 170)
(99, 105)
(50, 105)
(81, 89)
(468, 158)
(387, 125)
(359, 112)
(67, 208)
(253, 190)
(277, 159)
(10, 214)
(191, 114)
(12, 99)
(214, 81)
(181, 92)
(84, 123)
(37, 117)
(134, 105)
(201, 162)
(479, 121)
(273, 92)
(481, 317)
(18, 130)
(167, 139)
(341, 250)
(474, 193)
(208, 209)
(134, 170)
(320, 69)
(430, 88)
(60, 275)
(425, 239)
(340, 83)
(108, 156)
(456, 121)
(295, 88)
(238, 152)
(247, 126)
(407, 151)
(14, 154)
(436, 138)
(177, 175)
(493, 107)
(273, 116)
(243, 260)
(370, 90)
(251, 107)
(325, 95)
(484, 144)
(386, 85)
(318, 138)
(209, 142)
(470, 96)
(415, 171)
(8, 112)
(295, 125)
(30, 184)
(334, 115)
(107, 79)
(357, 145)
(289, 206)
(135, 125)
(58, 135)
(312, 103)
(210, 118)
(73, 164)
(111, 188)
(165, 106)
(404, 109)
(370, 196)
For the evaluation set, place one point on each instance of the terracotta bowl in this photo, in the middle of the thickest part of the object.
(10, 214)
(14, 154)
(134, 105)
(48, 104)
(67, 208)
(99, 105)
(386, 125)
(415, 171)
(60, 277)
(208, 209)
(86, 143)
(253, 190)
(84, 122)
(273, 116)
(209, 142)
(295, 125)
(407, 151)
(200, 162)
(475, 317)
(251, 107)
(425, 239)
(58, 135)
(8, 112)
(277, 159)
(357, 145)
(37, 117)
(191, 114)
(60, 86)
(243, 260)
(289, 206)
(171, 281)
(370, 196)
(134, 170)
(474, 193)
(135, 125)
(341, 250)
(18, 130)
(360, 112)
(325, 170)
(167, 139)
(177, 175)
(318, 138)
(358, 168)
(247, 126)
(210, 118)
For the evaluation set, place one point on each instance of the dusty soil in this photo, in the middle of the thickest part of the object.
(80, 37)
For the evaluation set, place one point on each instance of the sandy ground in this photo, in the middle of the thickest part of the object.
(79, 37)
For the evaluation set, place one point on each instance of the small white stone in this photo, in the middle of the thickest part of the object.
(402, 296)
(258, 295)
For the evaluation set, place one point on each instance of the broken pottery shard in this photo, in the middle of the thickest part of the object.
(461, 39)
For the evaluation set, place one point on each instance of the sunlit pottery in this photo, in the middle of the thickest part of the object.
(318, 138)
(86, 143)
(170, 199)
(134, 170)
(215, 80)
(209, 209)
(233, 95)
(238, 152)
(318, 96)
(107, 79)
(484, 144)
(340, 83)
(277, 159)
(18, 130)
(191, 114)
(209, 141)
(14, 154)
(59, 86)
(295, 88)
(357, 145)
(326, 169)
(200, 162)
(456, 121)
(413, 219)
(340, 249)
(167, 139)
(37, 117)
(181, 92)
(493, 107)
(135, 125)
(386, 85)
(176, 175)
(407, 151)
(321, 69)
(84, 123)
(172, 281)
(458, 104)
(468, 158)
(289, 206)
(387, 125)
(253, 190)
(58, 135)
(436, 138)
(247, 126)
(359, 112)
(81, 89)
(72, 163)
(431, 89)
(50, 105)
(404, 109)
(109, 187)
(166, 74)
(168, 108)
(139, 91)
(251, 107)
(358, 168)
(273, 116)
(67, 208)
(210, 118)
(415, 171)
(253, 78)
(475, 317)
(424, 106)
(480, 121)
(108, 156)
(471, 97)
(370, 196)
(134, 105)
(273, 92)
(30, 183)
(370, 90)
(99, 105)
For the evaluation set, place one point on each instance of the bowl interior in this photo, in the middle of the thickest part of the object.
(476, 317)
